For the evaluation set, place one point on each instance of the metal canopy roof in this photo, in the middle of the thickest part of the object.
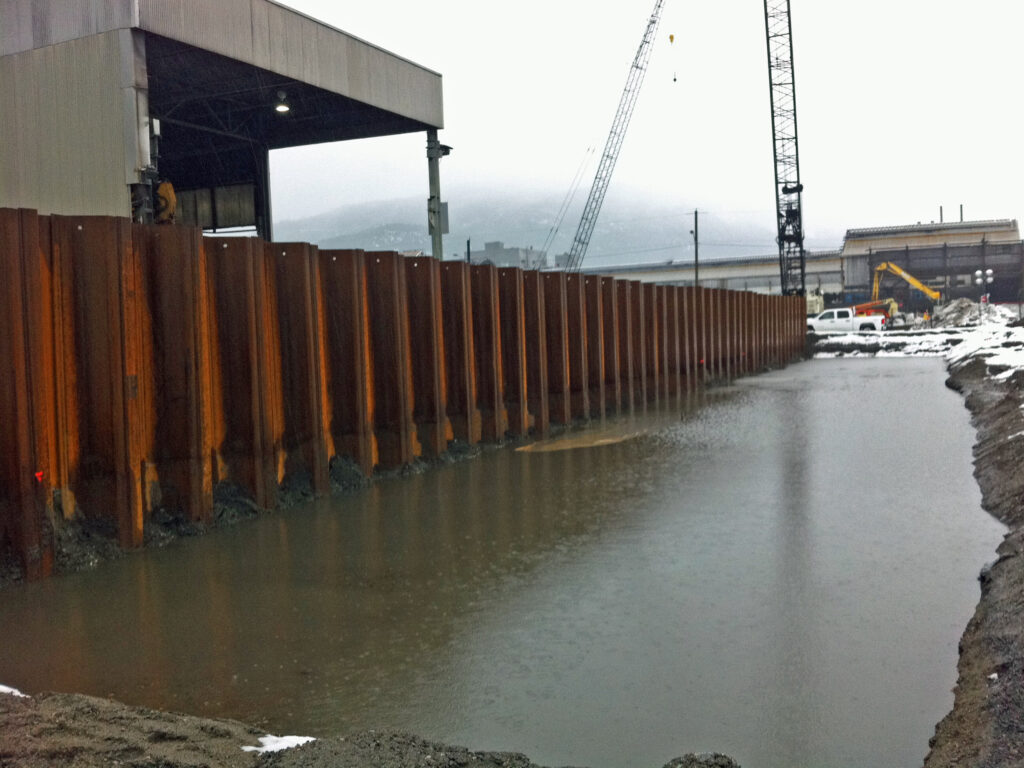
(215, 112)
(209, 70)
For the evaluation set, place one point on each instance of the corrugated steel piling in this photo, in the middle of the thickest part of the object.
(147, 365)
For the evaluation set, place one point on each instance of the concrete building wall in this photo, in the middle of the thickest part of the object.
(69, 126)
(29, 24)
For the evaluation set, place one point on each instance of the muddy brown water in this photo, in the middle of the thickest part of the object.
(780, 572)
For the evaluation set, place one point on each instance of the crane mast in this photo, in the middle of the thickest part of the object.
(614, 143)
(788, 189)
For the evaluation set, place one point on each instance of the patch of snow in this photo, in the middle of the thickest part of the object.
(12, 691)
(277, 743)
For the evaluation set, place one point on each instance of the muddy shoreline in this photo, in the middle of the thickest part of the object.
(986, 725)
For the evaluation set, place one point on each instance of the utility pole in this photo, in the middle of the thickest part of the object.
(696, 250)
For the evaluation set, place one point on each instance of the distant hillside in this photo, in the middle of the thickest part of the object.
(626, 232)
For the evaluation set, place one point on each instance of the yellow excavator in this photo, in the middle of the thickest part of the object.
(888, 266)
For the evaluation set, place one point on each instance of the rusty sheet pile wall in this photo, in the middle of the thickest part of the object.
(144, 366)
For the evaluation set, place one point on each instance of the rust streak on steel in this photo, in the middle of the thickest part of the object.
(513, 349)
(426, 342)
(459, 355)
(557, 321)
(393, 424)
(624, 299)
(612, 361)
(487, 348)
(639, 352)
(579, 363)
(349, 374)
(536, 352)
(596, 365)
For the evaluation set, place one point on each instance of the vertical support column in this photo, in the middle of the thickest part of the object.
(536, 351)
(579, 369)
(426, 343)
(754, 309)
(728, 329)
(435, 224)
(673, 324)
(459, 355)
(799, 326)
(296, 275)
(686, 345)
(555, 317)
(595, 318)
(174, 263)
(393, 424)
(775, 346)
(487, 348)
(713, 356)
(610, 330)
(513, 349)
(652, 342)
(639, 330)
(702, 309)
(270, 378)
(747, 351)
(349, 381)
(624, 299)
(21, 516)
(105, 299)
(242, 433)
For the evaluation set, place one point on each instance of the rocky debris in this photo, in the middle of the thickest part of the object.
(82, 731)
(703, 760)
(389, 749)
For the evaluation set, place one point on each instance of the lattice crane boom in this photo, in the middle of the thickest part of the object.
(620, 123)
(788, 189)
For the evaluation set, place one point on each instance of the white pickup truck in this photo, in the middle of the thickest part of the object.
(845, 319)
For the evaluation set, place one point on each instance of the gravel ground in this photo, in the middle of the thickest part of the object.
(56, 729)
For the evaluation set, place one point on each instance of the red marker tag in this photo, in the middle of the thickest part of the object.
(39, 476)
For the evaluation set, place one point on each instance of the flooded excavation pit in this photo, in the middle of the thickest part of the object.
(781, 574)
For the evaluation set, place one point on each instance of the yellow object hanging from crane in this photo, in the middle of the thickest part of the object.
(888, 266)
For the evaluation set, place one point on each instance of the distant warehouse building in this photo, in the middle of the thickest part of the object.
(943, 256)
(103, 97)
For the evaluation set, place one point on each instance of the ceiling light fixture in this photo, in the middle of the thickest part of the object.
(281, 105)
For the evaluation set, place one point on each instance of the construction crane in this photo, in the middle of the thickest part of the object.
(788, 189)
(888, 266)
(603, 176)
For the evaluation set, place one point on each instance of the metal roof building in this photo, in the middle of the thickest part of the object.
(858, 242)
(87, 84)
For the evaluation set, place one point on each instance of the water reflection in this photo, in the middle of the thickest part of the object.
(782, 574)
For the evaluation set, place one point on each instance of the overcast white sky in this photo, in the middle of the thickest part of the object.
(903, 106)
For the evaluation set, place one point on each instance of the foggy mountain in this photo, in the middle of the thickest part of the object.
(627, 231)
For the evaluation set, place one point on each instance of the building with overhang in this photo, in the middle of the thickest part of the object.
(102, 97)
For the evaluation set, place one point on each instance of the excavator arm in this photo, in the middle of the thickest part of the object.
(888, 266)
